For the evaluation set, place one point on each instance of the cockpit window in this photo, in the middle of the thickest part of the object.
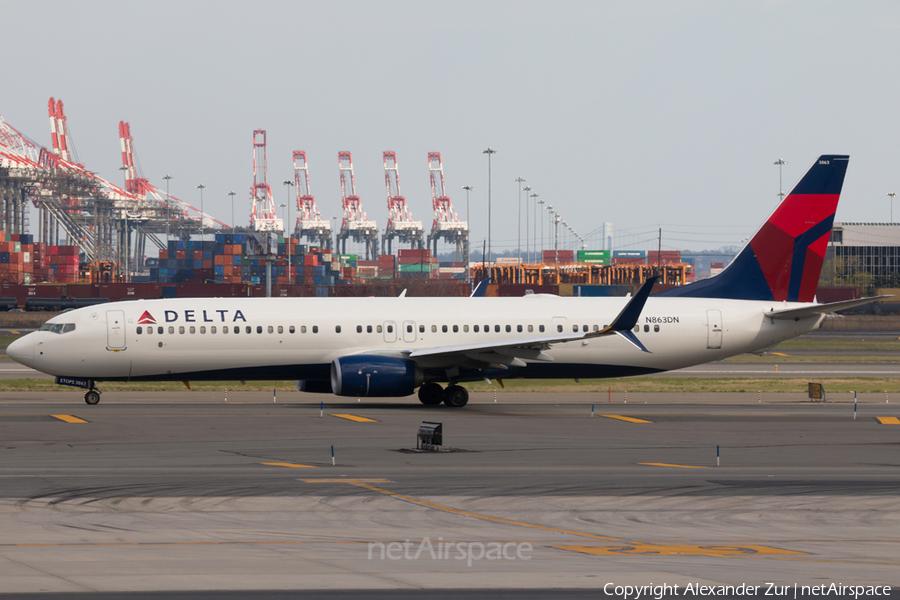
(68, 327)
(46, 327)
(57, 328)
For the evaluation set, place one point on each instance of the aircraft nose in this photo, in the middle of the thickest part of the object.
(22, 350)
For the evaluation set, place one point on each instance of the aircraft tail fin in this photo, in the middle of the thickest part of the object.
(783, 260)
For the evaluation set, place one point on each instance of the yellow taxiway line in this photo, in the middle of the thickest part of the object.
(355, 418)
(68, 418)
(624, 418)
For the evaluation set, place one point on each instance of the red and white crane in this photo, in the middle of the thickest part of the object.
(310, 223)
(355, 223)
(263, 216)
(446, 223)
(400, 223)
(59, 133)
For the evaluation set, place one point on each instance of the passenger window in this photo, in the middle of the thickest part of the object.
(291, 329)
(315, 329)
(559, 328)
(637, 328)
(236, 329)
(465, 329)
(421, 329)
(280, 329)
(390, 329)
(258, 329)
(270, 329)
(193, 329)
(434, 329)
(487, 328)
(202, 329)
(496, 329)
(475, 328)
(359, 329)
(303, 329)
(531, 329)
(519, 328)
(646, 328)
(212, 329)
(149, 331)
(656, 328)
(337, 328)
(224, 328)
(250, 329)
(508, 329)
(456, 329)
(139, 330)
(444, 328)
(575, 328)
(409, 329)
(541, 328)
(597, 328)
(181, 329)
(171, 329)
(159, 330)
(368, 329)
(584, 328)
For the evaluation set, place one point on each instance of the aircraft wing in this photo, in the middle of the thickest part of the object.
(511, 352)
(817, 309)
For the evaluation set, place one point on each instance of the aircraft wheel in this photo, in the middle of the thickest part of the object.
(456, 396)
(431, 394)
(92, 397)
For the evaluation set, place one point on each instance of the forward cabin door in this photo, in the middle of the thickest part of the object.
(390, 331)
(409, 331)
(714, 329)
(115, 330)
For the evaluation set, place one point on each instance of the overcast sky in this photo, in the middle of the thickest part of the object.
(642, 114)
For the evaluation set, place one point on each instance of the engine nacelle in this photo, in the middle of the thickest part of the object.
(314, 386)
(374, 376)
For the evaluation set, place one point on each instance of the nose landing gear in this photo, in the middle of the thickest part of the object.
(92, 396)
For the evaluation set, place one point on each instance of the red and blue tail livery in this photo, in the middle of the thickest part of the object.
(784, 258)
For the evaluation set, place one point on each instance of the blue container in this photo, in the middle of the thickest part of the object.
(4, 258)
(236, 260)
(220, 270)
(219, 249)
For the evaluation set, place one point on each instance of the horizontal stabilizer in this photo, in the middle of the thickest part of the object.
(818, 309)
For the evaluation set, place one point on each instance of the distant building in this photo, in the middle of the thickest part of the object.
(606, 237)
(862, 253)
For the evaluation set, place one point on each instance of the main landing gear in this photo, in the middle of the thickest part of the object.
(454, 395)
(92, 396)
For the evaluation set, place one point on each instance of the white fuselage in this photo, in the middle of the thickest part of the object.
(297, 338)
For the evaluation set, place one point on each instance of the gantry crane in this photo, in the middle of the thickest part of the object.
(446, 224)
(355, 223)
(400, 223)
(263, 216)
(310, 223)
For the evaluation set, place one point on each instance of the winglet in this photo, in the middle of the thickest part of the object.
(627, 319)
(481, 289)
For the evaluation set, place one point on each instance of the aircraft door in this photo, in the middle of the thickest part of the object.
(558, 325)
(714, 329)
(115, 330)
(390, 331)
(409, 331)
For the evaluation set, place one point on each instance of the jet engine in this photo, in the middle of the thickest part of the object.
(374, 376)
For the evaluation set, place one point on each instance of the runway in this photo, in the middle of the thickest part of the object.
(181, 491)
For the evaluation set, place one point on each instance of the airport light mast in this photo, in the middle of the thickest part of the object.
(400, 221)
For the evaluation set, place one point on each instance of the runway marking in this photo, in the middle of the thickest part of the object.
(476, 515)
(353, 481)
(670, 465)
(290, 465)
(69, 419)
(778, 354)
(355, 418)
(624, 418)
(645, 549)
(888, 420)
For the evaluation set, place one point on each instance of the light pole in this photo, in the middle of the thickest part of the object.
(527, 189)
(519, 180)
(232, 194)
(541, 257)
(290, 248)
(780, 162)
(127, 236)
(201, 187)
(490, 151)
(892, 195)
(534, 237)
(168, 199)
(468, 189)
